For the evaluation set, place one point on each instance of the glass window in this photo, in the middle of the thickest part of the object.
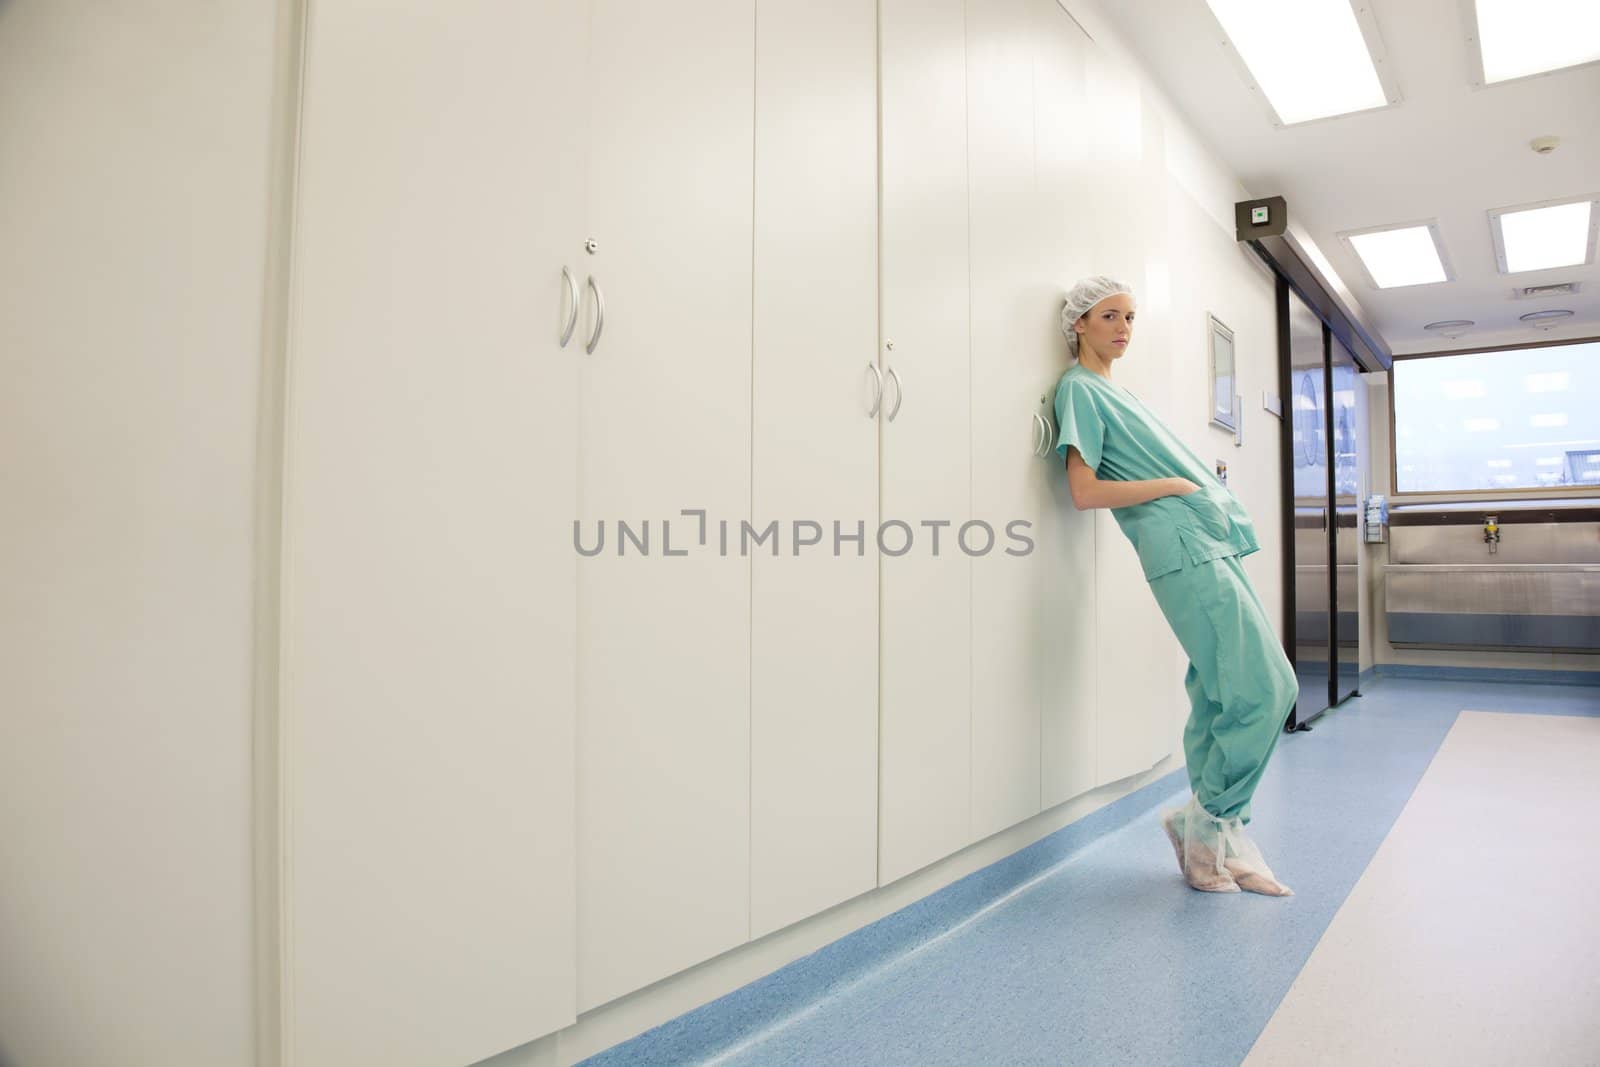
(1525, 418)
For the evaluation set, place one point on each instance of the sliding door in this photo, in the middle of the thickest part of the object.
(1306, 404)
(1345, 380)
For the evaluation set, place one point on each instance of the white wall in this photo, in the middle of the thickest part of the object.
(134, 167)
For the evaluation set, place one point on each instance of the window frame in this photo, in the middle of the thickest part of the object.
(1437, 495)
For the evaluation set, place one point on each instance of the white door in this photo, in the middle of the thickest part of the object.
(1012, 299)
(664, 637)
(814, 608)
(925, 760)
(1067, 537)
(427, 698)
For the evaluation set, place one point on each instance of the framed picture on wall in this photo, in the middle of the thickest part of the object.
(1219, 342)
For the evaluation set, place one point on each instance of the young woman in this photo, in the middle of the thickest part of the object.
(1190, 533)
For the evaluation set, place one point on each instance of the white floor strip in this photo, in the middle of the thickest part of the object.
(1473, 937)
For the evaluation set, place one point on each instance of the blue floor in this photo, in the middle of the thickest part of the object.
(1088, 947)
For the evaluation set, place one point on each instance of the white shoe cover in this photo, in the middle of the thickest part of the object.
(1215, 855)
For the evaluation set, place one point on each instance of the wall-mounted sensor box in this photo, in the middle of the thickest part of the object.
(1255, 219)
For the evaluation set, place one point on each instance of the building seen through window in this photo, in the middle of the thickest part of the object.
(1526, 418)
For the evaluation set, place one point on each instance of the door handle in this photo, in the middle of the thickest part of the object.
(572, 292)
(599, 317)
(878, 399)
(899, 394)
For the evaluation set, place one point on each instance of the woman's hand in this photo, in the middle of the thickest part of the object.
(1181, 487)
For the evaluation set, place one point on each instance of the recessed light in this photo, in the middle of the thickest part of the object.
(1450, 324)
(1394, 256)
(1544, 316)
(1521, 38)
(1315, 65)
(1555, 233)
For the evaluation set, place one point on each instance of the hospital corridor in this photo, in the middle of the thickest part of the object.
(1407, 945)
(821, 533)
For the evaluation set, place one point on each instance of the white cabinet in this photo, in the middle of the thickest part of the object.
(665, 425)
(1066, 596)
(1009, 684)
(727, 698)
(1015, 359)
(1140, 696)
(925, 655)
(523, 780)
(428, 576)
(814, 615)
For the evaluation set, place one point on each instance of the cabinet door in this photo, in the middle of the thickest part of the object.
(1177, 387)
(1012, 355)
(664, 637)
(814, 610)
(1136, 686)
(428, 575)
(925, 714)
(1067, 548)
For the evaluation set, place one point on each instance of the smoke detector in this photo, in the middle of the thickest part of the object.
(1527, 292)
(1544, 145)
(1451, 328)
(1544, 319)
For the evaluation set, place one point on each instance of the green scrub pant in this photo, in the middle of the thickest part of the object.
(1241, 685)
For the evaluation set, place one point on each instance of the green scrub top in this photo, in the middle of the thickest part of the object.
(1124, 441)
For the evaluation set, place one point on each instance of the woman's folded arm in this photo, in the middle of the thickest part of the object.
(1089, 491)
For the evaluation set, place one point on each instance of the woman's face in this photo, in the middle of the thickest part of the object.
(1107, 328)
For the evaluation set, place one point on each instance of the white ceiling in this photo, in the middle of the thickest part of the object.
(1447, 152)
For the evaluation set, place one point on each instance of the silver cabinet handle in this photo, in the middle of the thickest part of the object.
(878, 399)
(1049, 436)
(1038, 434)
(899, 394)
(599, 315)
(572, 292)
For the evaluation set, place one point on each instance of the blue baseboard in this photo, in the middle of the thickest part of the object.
(1485, 674)
(734, 1018)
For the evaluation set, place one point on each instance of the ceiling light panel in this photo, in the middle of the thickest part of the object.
(1315, 63)
(1523, 38)
(1395, 256)
(1544, 236)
